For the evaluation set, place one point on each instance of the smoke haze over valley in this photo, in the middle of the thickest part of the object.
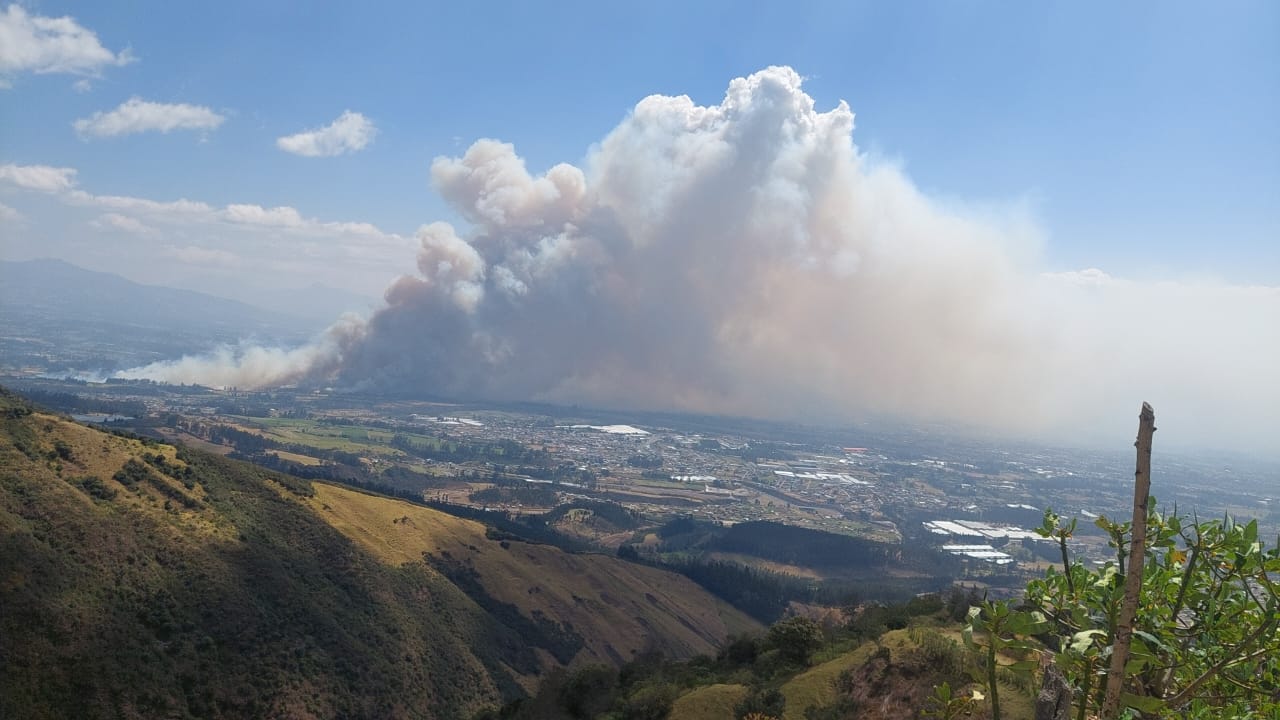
(747, 258)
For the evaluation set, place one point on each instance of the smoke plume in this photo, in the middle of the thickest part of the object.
(741, 258)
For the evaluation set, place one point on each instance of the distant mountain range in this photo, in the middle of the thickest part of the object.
(58, 289)
(57, 316)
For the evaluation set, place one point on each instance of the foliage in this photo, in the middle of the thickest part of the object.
(762, 703)
(998, 628)
(615, 514)
(854, 565)
(533, 496)
(443, 450)
(817, 549)
(93, 485)
(652, 702)
(590, 691)
(796, 638)
(945, 705)
(131, 473)
(1205, 640)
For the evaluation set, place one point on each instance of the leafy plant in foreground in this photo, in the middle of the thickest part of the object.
(1205, 640)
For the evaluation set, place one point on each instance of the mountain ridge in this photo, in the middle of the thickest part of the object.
(53, 285)
(140, 579)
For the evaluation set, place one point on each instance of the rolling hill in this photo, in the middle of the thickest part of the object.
(143, 580)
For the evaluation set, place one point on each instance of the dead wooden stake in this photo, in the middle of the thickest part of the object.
(1137, 553)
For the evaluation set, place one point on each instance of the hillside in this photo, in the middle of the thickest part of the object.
(54, 310)
(618, 609)
(142, 580)
(861, 671)
(62, 290)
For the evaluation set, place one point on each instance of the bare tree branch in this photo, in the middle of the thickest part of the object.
(1137, 550)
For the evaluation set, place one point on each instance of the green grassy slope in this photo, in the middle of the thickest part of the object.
(137, 580)
(709, 702)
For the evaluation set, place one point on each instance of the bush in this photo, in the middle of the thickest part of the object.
(131, 474)
(761, 703)
(94, 486)
(652, 702)
(590, 691)
(796, 638)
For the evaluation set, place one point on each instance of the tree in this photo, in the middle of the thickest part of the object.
(590, 691)
(761, 704)
(651, 702)
(796, 638)
(1204, 626)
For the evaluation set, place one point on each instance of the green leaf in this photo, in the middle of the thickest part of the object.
(1024, 666)
(1144, 703)
(1147, 645)
(1081, 641)
(1108, 574)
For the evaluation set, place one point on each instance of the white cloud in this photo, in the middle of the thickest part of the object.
(352, 241)
(136, 115)
(8, 214)
(41, 45)
(1089, 277)
(39, 177)
(350, 133)
(116, 221)
(173, 208)
(280, 217)
(185, 212)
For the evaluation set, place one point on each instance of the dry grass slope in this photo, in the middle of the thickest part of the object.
(193, 586)
(619, 608)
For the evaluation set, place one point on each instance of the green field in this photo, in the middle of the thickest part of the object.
(326, 436)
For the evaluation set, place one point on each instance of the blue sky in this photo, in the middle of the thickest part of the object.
(1143, 137)
(1087, 160)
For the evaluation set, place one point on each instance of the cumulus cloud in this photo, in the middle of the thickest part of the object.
(184, 212)
(136, 115)
(39, 177)
(263, 243)
(745, 258)
(42, 45)
(8, 214)
(350, 133)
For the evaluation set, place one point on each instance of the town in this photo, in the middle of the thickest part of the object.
(975, 500)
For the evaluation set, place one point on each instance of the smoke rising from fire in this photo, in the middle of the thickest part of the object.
(743, 258)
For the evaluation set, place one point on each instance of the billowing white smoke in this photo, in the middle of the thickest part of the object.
(741, 258)
(252, 367)
(735, 258)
